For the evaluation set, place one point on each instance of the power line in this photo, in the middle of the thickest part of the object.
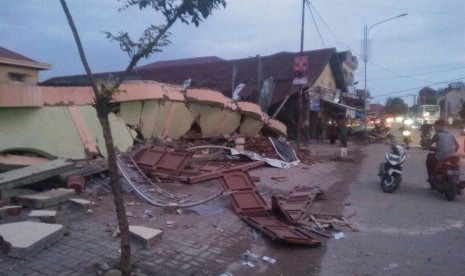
(420, 87)
(327, 27)
(314, 22)
(423, 74)
(399, 75)
(395, 8)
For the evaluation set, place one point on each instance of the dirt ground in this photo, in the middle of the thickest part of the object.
(326, 170)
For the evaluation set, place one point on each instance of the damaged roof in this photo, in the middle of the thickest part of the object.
(217, 74)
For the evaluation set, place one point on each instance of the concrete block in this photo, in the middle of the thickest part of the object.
(46, 199)
(46, 216)
(9, 193)
(80, 204)
(24, 239)
(240, 147)
(147, 236)
(239, 141)
(11, 210)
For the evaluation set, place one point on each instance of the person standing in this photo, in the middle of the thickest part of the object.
(343, 135)
(332, 132)
(319, 130)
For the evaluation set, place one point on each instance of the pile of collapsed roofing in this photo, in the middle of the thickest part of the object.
(287, 220)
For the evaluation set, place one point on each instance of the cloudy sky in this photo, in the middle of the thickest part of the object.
(424, 48)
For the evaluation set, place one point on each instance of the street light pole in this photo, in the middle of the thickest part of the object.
(366, 34)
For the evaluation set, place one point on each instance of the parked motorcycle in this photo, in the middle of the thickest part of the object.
(447, 177)
(390, 171)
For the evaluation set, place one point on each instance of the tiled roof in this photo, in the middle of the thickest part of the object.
(5, 53)
(12, 58)
(217, 74)
(180, 62)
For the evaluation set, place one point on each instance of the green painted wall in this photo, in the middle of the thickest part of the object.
(52, 131)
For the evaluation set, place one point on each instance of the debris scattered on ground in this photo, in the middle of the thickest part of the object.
(268, 259)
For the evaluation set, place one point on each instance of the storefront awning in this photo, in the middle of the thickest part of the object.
(344, 106)
(350, 111)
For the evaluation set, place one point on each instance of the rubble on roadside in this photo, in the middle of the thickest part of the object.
(288, 218)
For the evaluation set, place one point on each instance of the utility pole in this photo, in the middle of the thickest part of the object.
(366, 34)
(299, 98)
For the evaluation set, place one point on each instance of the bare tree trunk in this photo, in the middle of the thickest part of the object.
(102, 100)
(117, 197)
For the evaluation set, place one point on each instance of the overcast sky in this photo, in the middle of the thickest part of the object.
(424, 48)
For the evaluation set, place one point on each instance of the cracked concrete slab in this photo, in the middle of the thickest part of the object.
(145, 235)
(80, 204)
(46, 199)
(24, 239)
(46, 216)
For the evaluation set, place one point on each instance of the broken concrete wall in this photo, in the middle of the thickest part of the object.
(215, 120)
(60, 121)
(250, 127)
(46, 130)
(55, 131)
(158, 118)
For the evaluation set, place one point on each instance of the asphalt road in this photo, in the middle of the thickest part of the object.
(413, 231)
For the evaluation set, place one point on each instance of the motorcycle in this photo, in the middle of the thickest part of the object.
(383, 137)
(390, 171)
(407, 139)
(446, 179)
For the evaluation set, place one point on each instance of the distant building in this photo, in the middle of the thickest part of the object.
(376, 110)
(16, 68)
(451, 102)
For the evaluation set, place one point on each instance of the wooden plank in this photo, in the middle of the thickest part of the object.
(35, 173)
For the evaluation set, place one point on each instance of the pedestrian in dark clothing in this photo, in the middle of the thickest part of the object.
(332, 132)
(343, 134)
(319, 131)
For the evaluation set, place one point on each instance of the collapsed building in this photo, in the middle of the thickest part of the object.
(47, 122)
(325, 80)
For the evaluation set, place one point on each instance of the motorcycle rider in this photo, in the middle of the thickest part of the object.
(425, 128)
(446, 146)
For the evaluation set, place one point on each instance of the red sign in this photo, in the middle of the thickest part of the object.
(301, 64)
(300, 70)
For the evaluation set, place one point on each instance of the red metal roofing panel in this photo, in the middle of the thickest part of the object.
(296, 205)
(277, 230)
(235, 180)
(148, 158)
(248, 202)
(174, 161)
